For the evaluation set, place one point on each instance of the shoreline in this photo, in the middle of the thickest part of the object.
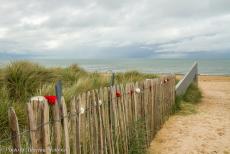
(217, 75)
(209, 78)
(214, 78)
(215, 67)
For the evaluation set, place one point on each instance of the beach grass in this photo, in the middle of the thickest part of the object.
(137, 142)
(186, 104)
(20, 80)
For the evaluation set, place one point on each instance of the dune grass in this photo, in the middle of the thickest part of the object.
(186, 104)
(21, 80)
(137, 142)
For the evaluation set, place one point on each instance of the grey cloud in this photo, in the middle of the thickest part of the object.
(103, 27)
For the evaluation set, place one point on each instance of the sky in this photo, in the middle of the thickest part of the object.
(114, 28)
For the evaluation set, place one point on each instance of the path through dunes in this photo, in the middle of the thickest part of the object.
(205, 132)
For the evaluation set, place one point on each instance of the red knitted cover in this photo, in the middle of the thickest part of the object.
(51, 99)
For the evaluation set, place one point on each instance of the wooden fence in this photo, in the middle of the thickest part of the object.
(106, 120)
(189, 77)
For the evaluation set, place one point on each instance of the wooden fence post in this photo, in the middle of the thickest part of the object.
(102, 120)
(65, 123)
(46, 129)
(95, 122)
(98, 104)
(78, 125)
(14, 128)
(108, 110)
(34, 110)
(84, 124)
(73, 113)
(57, 127)
(89, 122)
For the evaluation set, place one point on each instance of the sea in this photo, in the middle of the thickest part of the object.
(177, 66)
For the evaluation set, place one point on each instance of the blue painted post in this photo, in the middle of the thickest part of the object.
(112, 79)
(58, 90)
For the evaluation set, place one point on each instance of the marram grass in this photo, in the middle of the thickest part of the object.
(20, 80)
(186, 104)
(23, 78)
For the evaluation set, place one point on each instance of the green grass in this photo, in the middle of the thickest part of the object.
(22, 119)
(132, 76)
(21, 80)
(137, 140)
(186, 104)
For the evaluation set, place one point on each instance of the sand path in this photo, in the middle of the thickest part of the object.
(205, 132)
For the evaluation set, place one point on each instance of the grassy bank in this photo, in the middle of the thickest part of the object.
(186, 104)
(22, 79)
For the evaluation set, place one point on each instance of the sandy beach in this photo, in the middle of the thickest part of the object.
(205, 132)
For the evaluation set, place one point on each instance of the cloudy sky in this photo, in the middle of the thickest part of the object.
(115, 28)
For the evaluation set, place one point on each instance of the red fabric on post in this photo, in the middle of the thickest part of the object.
(51, 99)
(118, 94)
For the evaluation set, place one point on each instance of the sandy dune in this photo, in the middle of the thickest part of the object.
(205, 132)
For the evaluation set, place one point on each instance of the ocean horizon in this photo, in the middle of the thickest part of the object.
(177, 66)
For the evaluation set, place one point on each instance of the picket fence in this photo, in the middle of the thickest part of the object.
(101, 121)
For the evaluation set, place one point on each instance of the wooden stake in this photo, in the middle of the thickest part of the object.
(14, 129)
(65, 123)
(57, 127)
(73, 126)
(46, 129)
(78, 124)
(34, 116)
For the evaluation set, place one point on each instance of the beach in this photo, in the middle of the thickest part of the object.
(207, 131)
